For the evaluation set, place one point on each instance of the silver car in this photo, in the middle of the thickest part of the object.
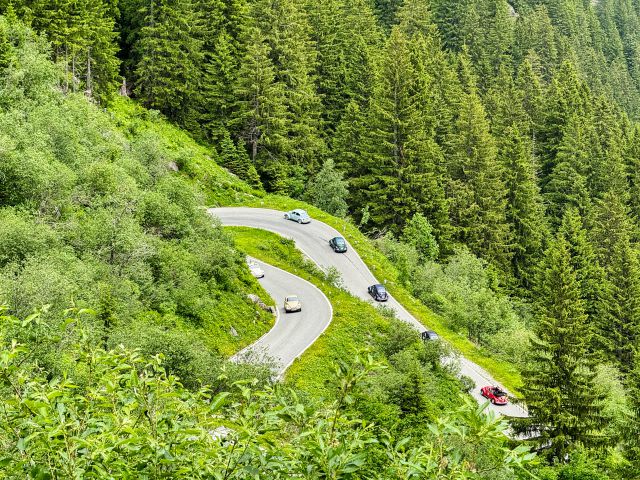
(298, 215)
(256, 271)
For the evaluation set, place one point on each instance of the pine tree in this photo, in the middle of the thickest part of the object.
(386, 12)
(632, 157)
(286, 30)
(567, 100)
(564, 408)
(399, 162)
(595, 289)
(347, 39)
(261, 120)
(224, 24)
(525, 210)
(236, 160)
(536, 37)
(566, 185)
(487, 32)
(84, 42)
(349, 140)
(612, 236)
(169, 52)
(476, 189)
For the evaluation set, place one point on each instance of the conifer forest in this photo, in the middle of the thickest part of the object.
(483, 155)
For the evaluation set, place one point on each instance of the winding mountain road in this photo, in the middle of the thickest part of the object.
(313, 240)
(293, 332)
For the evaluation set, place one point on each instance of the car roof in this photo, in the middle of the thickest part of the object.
(338, 238)
(379, 285)
(299, 211)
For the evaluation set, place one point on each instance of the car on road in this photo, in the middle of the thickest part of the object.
(298, 215)
(255, 270)
(429, 335)
(292, 303)
(495, 395)
(378, 292)
(338, 244)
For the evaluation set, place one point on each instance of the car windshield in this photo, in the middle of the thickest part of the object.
(339, 241)
(499, 393)
(292, 299)
(381, 288)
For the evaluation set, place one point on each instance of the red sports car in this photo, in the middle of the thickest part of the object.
(495, 395)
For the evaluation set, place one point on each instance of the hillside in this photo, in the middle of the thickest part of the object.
(483, 156)
(92, 216)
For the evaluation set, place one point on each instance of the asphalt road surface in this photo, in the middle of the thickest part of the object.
(293, 332)
(313, 240)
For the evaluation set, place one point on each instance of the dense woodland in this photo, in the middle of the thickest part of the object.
(491, 149)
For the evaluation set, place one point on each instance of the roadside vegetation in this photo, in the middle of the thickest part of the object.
(501, 362)
(119, 414)
(92, 215)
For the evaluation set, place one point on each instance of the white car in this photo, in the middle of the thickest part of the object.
(256, 271)
(298, 215)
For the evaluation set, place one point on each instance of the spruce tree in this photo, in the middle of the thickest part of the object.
(564, 408)
(618, 256)
(347, 39)
(236, 160)
(399, 162)
(286, 30)
(224, 24)
(566, 185)
(84, 42)
(261, 119)
(567, 99)
(632, 157)
(169, 53)
(525, 209)
(476, 188)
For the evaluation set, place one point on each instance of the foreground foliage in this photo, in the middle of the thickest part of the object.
(120, 415)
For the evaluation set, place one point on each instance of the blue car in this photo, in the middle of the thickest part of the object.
(378, 292)
(298, 215)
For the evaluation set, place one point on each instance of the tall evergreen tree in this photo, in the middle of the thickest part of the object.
(347, 39)
(566, 185)
(398, 167)
(616, 253)
(84, 41)
(262, 120)
(224, 24)
(168, 54)
(476, 188)
(595, 290)
(286, 30)
(525, 210)
(563, 405)
(236, 160)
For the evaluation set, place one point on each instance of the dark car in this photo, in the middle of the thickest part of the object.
(428, 335)
(495, 395)
(378, 292)
(338, 244)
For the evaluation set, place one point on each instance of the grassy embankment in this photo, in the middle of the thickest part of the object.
(356, 324)
(382, 268)
(233, 312)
